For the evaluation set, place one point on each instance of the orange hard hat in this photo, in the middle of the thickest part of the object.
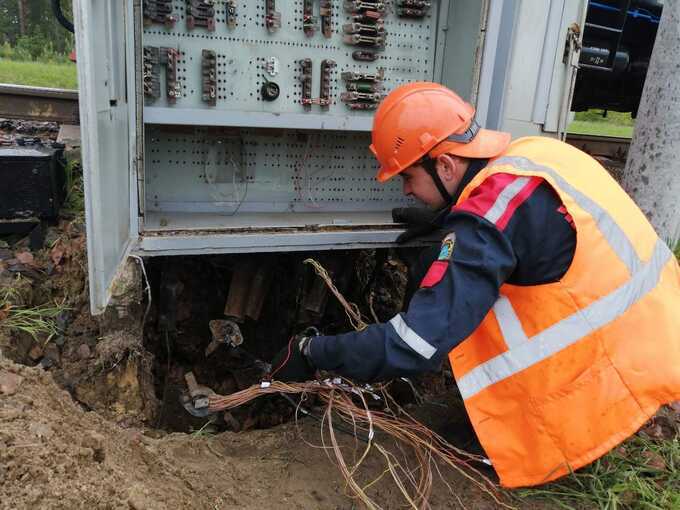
(424, 118)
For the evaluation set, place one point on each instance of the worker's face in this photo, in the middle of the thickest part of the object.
(418, 183)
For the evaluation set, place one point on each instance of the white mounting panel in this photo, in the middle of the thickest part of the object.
(235, 172)
(408, 56)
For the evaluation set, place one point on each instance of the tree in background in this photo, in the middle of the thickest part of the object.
(30, 27)
(23, 15)
(652, 172)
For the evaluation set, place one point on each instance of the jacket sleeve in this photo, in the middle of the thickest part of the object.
(456, 294)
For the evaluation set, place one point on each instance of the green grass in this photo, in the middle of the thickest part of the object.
(593, 123)
(38, 321)
(39, 74)
(74, 203)
(641, 473)
(206, 430)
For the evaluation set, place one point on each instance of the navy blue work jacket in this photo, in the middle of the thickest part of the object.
(531, 242)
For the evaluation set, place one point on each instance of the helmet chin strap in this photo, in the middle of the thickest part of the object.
(430, 166)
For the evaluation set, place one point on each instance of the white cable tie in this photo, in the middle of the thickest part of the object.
(265, 384)
(371, 433)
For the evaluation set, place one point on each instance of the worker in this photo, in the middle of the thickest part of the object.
(551, 295)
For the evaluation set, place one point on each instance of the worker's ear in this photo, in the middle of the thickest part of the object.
(450, 168)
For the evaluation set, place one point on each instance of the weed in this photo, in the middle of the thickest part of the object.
(37, 321)
(204, 431)
(641, 473)
(74, 202)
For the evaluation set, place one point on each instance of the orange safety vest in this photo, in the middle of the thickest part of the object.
(558, 374)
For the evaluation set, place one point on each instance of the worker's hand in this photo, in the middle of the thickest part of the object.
(420, 221)
(291, 363)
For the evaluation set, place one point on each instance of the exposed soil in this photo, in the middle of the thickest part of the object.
(53, 454)
(86, 418)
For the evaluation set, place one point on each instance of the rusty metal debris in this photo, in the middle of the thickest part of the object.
(196, 399)
(224, 332)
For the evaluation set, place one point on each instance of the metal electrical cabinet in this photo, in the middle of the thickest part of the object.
(230, 126)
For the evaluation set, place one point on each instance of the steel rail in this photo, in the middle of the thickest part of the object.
(39, 103)
(608, 146)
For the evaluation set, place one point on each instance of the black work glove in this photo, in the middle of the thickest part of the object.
(291, 363)
(420, 221)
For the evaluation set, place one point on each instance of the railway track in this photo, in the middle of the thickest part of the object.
(60, 105)
(39, 103)
(607, 146)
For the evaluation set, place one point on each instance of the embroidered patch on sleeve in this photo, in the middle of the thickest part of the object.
(448, 243)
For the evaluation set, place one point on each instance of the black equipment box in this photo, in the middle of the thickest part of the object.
(31, 182)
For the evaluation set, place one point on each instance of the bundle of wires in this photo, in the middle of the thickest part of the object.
(420, 451)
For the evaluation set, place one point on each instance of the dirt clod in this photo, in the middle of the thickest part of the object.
(35, 353)
(84, 352)
(9, 382)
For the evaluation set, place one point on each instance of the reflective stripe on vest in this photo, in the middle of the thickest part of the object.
(523, 353)
(609, 229)
(511, 327)
(503, 199)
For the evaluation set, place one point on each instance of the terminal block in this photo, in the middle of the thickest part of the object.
(151, 75)
(365, 87)
(306, 79)
(366, 97)
(158, 11)
(271, 66)
(153, 58)
(364, 40)
(362, 106)
(413, 8)
(364, 91)
(325, 90)
(200, 13)
(208, 77)
(351, 77)
(309, 21)
(324, 99)
(272, 18)
(169, 57)
(231, 13)
(364, 55)
(366, 7)
(367, 27)
(326, 13)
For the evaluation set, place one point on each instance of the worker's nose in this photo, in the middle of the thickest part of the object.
(407, 188)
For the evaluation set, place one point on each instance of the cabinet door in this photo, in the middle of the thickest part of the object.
(526, 79)
(103, 30)
(559, 65)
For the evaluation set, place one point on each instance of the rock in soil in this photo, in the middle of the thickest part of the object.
(9, 382)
